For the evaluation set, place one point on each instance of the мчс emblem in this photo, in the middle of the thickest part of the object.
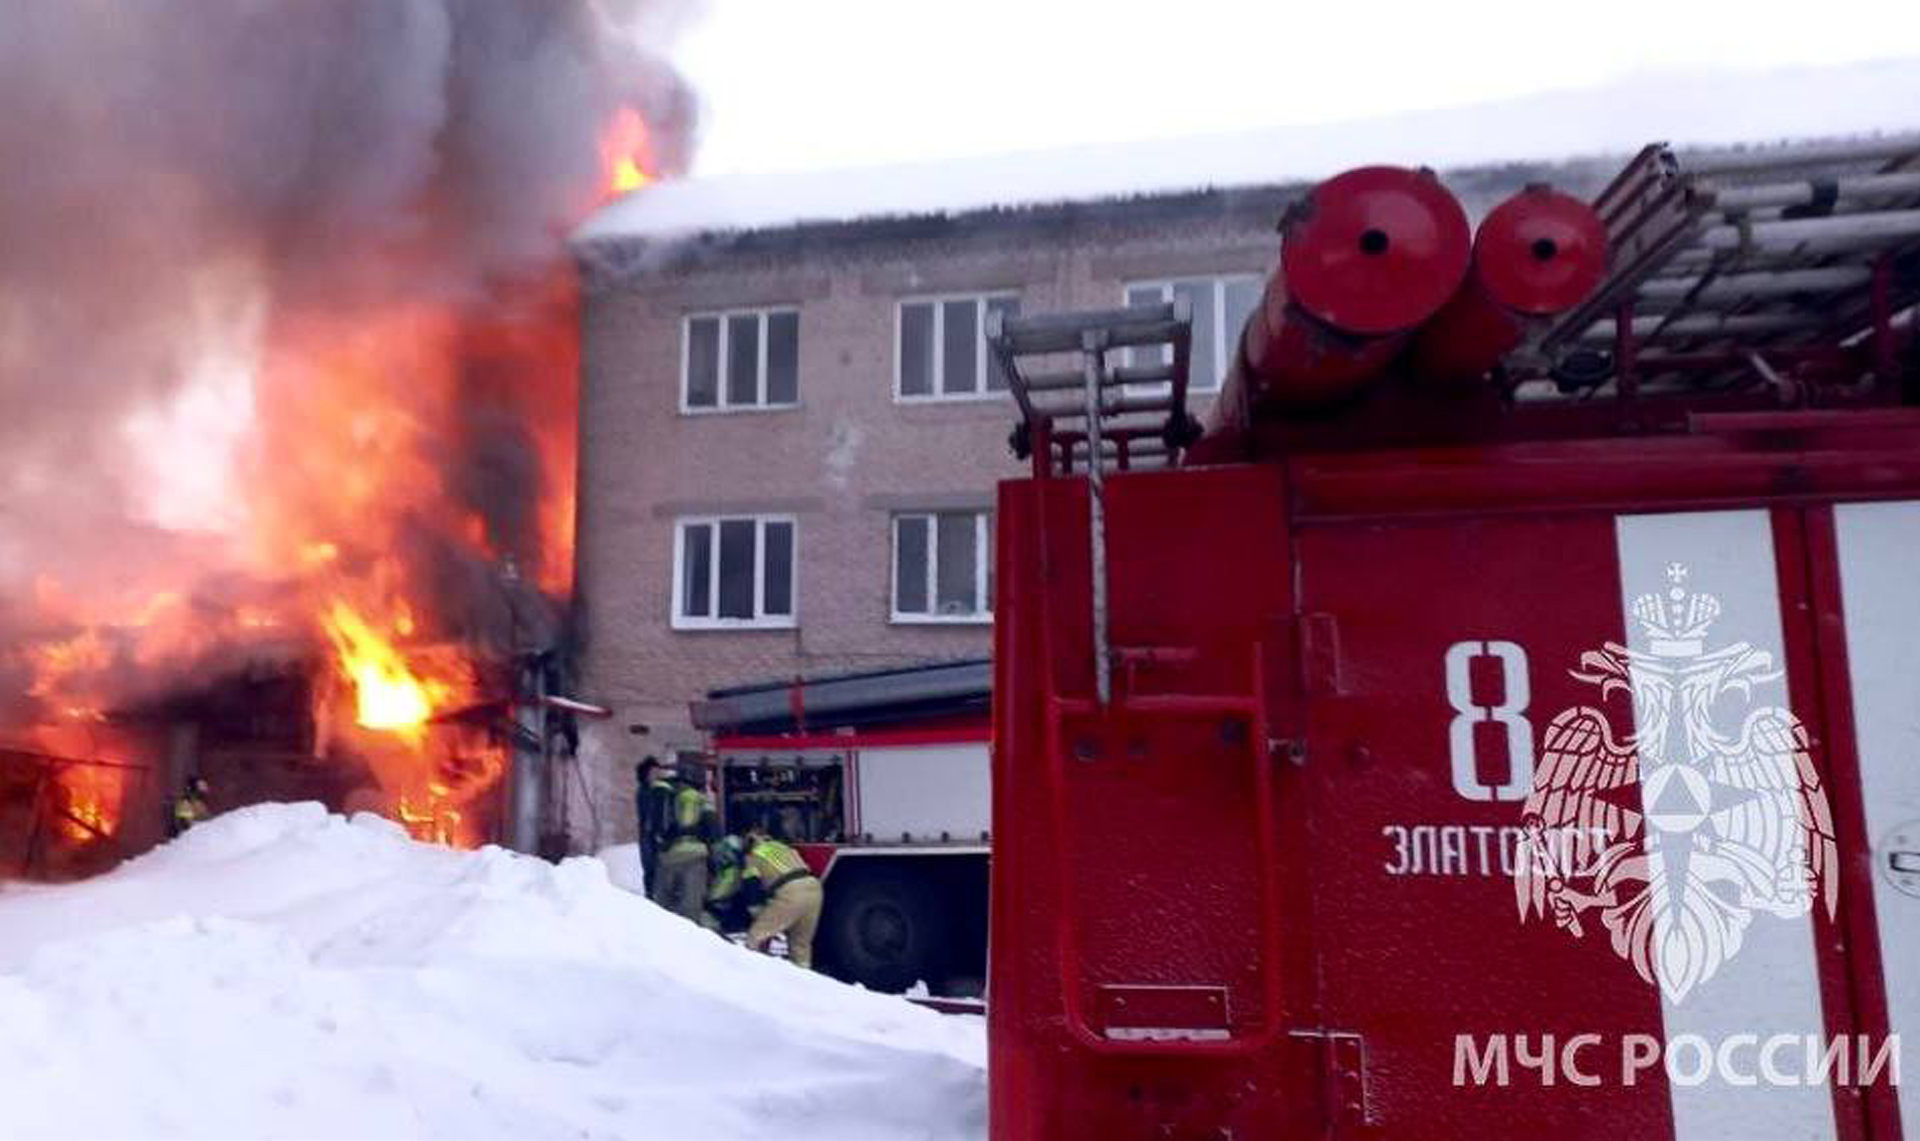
(1678, 831)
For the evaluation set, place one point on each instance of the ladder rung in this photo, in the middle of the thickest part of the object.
(1126, 374)
(1117, 328)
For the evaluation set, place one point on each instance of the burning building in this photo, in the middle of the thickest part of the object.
(287, 356)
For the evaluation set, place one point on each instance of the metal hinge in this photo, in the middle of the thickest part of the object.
(1343, 1074)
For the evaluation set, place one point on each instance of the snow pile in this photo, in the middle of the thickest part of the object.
(1702, 109)
(279, 972)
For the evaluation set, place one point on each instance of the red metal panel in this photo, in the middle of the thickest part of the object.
(1116, 875)
(1867, 456)
(1152, 835)
(1414, 905)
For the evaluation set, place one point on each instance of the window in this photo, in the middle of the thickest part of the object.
(733, 571)
(749, 359)
(943, 567)
(1221, 306)
(943, 348)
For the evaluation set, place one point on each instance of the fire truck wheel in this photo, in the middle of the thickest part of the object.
(884, 929)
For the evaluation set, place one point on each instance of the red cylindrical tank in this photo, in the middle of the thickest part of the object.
(1537, 254)
(1368, 256)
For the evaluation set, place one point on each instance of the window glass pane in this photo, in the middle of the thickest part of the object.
(996, 376)
(986, 524)
(954, 549)
(703, 362)
(1204, 371)
(696, 553)
(777, 597)
(783, 358)
(962, 349)
(743, 360)
(736, 568)
(910, 564)
(1146, 295)
(1243, 294)
(916, 349)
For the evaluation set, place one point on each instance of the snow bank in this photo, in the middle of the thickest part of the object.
(1702, 108)
(280, 972)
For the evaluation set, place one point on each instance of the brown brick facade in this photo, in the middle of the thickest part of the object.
(844, 460)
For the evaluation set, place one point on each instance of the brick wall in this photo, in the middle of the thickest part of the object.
(844, 460)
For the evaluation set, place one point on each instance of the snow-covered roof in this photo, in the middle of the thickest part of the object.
(1702, 109)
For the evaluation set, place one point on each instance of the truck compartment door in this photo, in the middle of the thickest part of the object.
(1552, 844)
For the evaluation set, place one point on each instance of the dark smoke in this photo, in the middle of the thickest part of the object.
(337, 156)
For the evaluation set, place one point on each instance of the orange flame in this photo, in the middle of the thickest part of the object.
(626, 152)
(389, 695)
(91, 807)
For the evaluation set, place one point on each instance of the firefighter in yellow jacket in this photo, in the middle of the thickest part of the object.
(682, 863)
(792, 894)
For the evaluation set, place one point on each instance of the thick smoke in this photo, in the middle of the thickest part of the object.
(197, 196)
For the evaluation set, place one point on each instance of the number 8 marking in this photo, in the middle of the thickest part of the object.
(1511, 712)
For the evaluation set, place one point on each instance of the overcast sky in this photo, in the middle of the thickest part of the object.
(790, 84)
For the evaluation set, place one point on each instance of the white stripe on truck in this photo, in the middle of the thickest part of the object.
(1769, 985)
(1880, 593)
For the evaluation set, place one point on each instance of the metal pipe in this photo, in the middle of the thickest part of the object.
(1366, 258)
(529, 759)
(1806, 193)
(1707, 325)
(1536, 255)
(1775, 283)
(1803, 154)
(1840, 230)
(1094, 345)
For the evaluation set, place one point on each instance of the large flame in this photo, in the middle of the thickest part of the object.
(357, 551)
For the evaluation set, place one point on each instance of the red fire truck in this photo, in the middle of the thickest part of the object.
(1503, 718)
(880, 779)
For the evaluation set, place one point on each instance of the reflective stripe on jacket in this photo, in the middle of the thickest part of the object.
(775, 864)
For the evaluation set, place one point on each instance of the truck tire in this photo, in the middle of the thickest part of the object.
(885, 928)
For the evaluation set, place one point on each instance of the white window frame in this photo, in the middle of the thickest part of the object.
(1225, 340)
(721, 405)
(939, 302)
(982, 549)
(760, 620)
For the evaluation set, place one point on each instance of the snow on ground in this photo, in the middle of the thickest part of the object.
(1702, 108)
(280, 972)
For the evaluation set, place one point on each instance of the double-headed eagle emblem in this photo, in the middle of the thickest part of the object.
(1677, 832)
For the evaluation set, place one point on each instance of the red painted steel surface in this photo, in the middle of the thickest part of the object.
(1366, 258)
(1153, 836)
(1376, 250)
(1215, 855)
(1537, 254)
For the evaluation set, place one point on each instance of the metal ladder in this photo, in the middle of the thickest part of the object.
(1128, 415)
(1733, 268)
(1098, 415)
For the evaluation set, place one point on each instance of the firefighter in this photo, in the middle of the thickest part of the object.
(726, 910)
(692, 824)
(793, 896)
(653, 809)
(190, 807)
